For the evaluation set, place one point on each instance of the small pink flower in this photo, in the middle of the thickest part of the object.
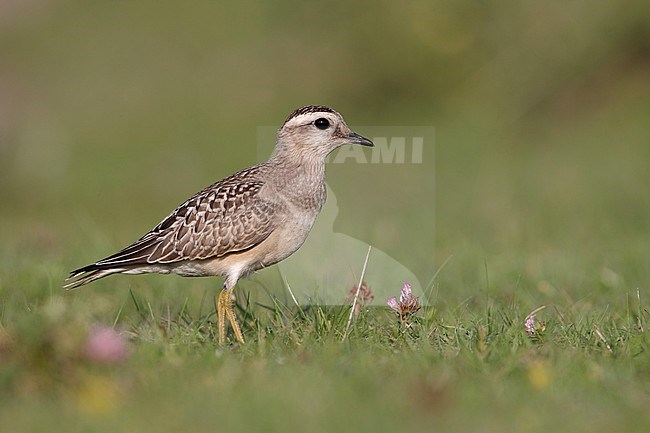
(534, 328)
(531, 326)
(365, 297)
(392, 303)
(105, 345)
(407, 305)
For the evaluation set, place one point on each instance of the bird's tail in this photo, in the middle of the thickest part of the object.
(87, 274)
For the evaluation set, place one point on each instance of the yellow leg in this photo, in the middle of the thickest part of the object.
(225, 310)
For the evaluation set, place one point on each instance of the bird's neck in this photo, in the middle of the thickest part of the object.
(302, 179)
(307, 168)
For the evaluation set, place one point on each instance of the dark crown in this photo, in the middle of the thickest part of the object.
(309, 109)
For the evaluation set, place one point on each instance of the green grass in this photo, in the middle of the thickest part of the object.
(457, 367)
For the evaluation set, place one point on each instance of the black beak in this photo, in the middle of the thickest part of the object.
(359, 139)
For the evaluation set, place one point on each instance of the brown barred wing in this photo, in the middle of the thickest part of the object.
(224, 218)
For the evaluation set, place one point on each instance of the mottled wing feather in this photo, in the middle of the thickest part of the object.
(231, 219)
(226, 217)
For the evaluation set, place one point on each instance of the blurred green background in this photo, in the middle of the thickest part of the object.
(112, 113)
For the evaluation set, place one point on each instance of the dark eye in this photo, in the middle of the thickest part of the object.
(322, 123)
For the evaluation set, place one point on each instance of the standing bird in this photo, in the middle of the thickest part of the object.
(245, 222)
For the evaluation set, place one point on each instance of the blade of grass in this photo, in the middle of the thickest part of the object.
(356, 295)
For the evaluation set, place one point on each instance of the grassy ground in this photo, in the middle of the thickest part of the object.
(460, 367)
(537, 196)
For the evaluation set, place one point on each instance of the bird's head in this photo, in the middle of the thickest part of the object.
(314, 131)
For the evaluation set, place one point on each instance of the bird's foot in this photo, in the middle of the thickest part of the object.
(225, 304)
